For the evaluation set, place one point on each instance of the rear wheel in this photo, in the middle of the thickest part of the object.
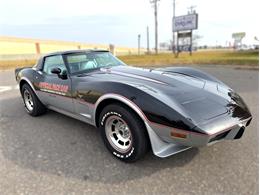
(32, 104)
(123, 133)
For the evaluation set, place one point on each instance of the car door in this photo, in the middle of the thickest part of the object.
(82, 86)
(56, 90)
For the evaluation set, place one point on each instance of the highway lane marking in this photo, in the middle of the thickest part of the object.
(8, 88)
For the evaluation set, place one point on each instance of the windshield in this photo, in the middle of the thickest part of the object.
(81, 62)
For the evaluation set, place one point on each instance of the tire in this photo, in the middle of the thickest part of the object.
(118, 125)
(32, 104)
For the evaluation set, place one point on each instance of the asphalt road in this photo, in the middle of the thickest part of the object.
(54, 154)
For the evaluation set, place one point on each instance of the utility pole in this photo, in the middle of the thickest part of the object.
(139, 40)
(173, 33)
(148, 39)
(155, 4)
(192, 11)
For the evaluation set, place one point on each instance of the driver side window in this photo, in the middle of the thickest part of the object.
(53, 62)
(80, 62)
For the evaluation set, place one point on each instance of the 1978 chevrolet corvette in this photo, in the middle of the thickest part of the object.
(167, 109)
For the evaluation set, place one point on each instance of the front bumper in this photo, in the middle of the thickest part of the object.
(164, 144)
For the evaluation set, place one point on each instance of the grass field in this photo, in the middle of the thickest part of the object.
(248, 58)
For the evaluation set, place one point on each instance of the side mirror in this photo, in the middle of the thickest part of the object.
(62, 75)
(56, 71)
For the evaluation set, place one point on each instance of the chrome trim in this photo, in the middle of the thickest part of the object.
(85, 115)
(119, 98)
(40, 72)
(29, 82)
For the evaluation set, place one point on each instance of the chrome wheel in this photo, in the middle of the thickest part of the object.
(118, 134)
(28, 100)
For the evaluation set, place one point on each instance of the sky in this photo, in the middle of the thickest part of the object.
(120, 21)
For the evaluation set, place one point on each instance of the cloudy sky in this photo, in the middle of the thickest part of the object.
(120, 21)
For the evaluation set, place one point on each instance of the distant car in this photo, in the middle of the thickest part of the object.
(169, 109)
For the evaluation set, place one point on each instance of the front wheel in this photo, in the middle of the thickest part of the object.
(123, 133)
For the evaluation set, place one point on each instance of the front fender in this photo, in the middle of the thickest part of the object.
(153, 108)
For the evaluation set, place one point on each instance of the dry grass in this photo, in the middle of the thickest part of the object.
(250, 58)
(9, 64)
(166, 59)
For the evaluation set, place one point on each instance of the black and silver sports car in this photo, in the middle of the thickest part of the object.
(167, 109)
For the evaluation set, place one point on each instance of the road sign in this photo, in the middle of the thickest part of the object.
(186, 22)
(238, 38)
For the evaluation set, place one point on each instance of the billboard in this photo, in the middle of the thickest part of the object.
(187, 22)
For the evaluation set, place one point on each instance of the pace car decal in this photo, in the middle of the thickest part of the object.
(54, 88)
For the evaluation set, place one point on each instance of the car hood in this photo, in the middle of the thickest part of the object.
(197, 99)
(153, 77)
